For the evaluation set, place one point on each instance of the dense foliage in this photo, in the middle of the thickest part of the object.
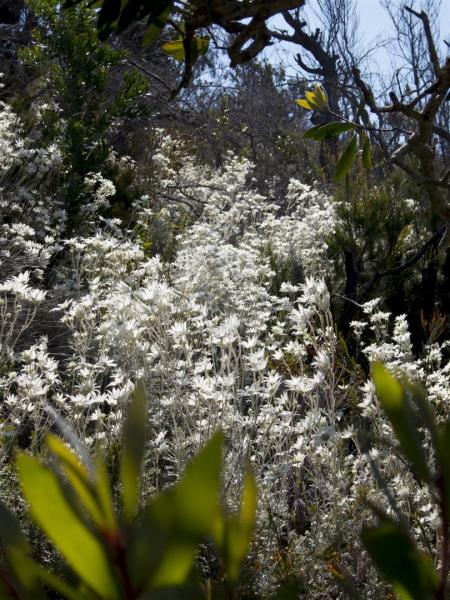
(246, 262)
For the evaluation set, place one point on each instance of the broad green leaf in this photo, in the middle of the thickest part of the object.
(310, 133)
(392, 398)
(236, 534)
(17, 551)
(408, 570)
(103, 492)
(249, 503)
(304, 104)
(187, 591)
(417, 396)
(175, 48)
(130, 11)
(51, 580)
(11, 534)
(330, 130)
(133, 445)
(346, 159)
(199, 46)
(155, 26)
(234, 547)
(176, 565)
(367, 152)
(288, 591)
(179, 518)
(108, 14)
(197, 494)
(50, 510)
(78, 477)
(389, 390)
(147, 541)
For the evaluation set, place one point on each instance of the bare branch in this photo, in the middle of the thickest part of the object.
(429, 36)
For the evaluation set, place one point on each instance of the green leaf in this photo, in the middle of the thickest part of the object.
(249, 503)
(330, 130)
(155, 25)
(130, 11)
(176, 563)
(11, 534)
(17, 551)
(310, 133)
(234, 536)
(399, 412)
(408, 570)
(175, 48)
(188, 513)
(133, 446)
(288, 591)
(367, 153)
(50, 580)
(107, 15)
(78, 477)
(197, 493)
(50, 510)
(103, 493)
(346, 159)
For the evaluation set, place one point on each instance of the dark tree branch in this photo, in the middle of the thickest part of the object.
(429, 36)
(434, 240)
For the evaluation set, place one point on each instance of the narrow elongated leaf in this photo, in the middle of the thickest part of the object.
(129, 13)
(346, 160)
(234, 547)
(78, 477)
(330, 130)
(310, 133)
(176, 564)
(288, 591)
(133, 445)
(249, 503)
(400, 414)
(103, 493)
(235, 535)
(107, 15)
(186, 514)
(197, 494)
(408, 570)
(51, 511)
(156, 24)
(175, 48)
(51, 580)
(11, 535)
(17, 551)
(367, 153)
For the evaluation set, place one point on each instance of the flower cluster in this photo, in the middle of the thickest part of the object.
(234, 331)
